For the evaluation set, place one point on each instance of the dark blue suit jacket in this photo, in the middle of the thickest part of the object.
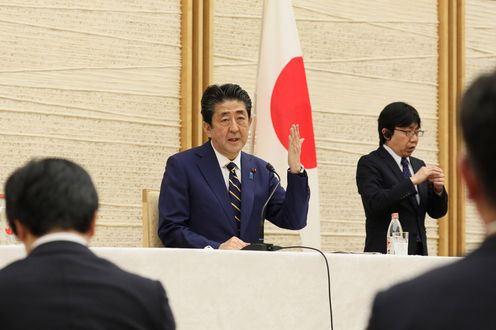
(194, 203)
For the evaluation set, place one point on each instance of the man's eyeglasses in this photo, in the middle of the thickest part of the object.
(411, 133)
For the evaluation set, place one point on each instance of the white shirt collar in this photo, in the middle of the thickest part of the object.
(395, 156)
(60, 236)
(223, 160)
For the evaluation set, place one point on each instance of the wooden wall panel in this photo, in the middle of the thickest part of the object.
(480, 50)
(97, 82)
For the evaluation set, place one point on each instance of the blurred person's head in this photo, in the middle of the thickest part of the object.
(50, 195)
(226, 112)
(478, 124)
(399, 128)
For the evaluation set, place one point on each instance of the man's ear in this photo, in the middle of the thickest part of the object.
(92, 229)
(471, 181)
(24, 235)
(386, 133)
(21, 230)
(207, 128)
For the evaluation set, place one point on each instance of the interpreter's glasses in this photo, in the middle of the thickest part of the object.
(411, 133)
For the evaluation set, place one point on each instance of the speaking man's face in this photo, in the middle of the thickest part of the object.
(229, 128)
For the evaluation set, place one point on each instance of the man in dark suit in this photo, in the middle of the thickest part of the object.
(213, 195)
(460, 295)
(51, 206)
(390, 180)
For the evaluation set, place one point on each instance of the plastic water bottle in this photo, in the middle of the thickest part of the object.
(394, 232)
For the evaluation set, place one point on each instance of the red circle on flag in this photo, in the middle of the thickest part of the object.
(290, 104)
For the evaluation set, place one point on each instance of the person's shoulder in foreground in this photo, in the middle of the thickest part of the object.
(61, 284)
(456, 296)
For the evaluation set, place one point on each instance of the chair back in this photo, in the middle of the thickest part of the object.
(150, 218)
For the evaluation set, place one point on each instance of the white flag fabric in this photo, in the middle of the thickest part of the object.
(282, 100)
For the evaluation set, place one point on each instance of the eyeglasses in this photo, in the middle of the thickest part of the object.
(411, 133)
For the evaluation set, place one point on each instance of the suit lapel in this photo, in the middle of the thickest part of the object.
(209, 167)
(247, 189)
(391, 163)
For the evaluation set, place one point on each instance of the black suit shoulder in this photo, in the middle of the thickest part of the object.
(68, 278)
(457, 296)
(380, 154)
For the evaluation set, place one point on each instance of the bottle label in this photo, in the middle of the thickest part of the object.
(397, 244)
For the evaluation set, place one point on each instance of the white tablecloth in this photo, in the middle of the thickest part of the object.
(211, 289)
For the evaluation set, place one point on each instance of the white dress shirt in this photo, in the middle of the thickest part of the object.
(223, 161)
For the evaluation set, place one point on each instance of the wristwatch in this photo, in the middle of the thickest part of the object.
(300, 172)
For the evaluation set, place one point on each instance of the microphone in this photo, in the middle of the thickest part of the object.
(260, 245)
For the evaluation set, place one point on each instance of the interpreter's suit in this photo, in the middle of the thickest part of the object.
(385, 190)
(62, 285)
(194, 206)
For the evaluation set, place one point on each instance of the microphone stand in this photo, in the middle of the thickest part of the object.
(260, 245)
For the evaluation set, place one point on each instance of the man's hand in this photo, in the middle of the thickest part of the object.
(432, 173)
(437, 180)
(233, 243)
(294, 149)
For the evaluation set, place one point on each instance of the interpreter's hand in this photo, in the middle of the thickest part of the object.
(432, 173)
(294, 148)
(234, 243)
(437, 180)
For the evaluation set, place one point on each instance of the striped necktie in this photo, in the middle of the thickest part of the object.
(406, 170)
(234, 191)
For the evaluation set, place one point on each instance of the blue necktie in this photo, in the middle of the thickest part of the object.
(234, 191)
(406, 170)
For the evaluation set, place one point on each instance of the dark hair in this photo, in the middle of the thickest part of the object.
(215, 94)
(396, 114)
(50, 194)
(478, 123)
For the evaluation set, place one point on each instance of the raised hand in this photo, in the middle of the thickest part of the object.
(432, 173)
(294, 148)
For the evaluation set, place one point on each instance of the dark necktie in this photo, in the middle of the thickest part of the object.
(406, 170)
(407, 174)
(234, 191)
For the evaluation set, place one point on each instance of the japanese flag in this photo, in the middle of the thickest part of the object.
(282, 100)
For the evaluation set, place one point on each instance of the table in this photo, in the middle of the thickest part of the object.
(213, 289)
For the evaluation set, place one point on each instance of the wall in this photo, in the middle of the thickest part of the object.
(480, 57)
(96, 82)
(358, 58)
